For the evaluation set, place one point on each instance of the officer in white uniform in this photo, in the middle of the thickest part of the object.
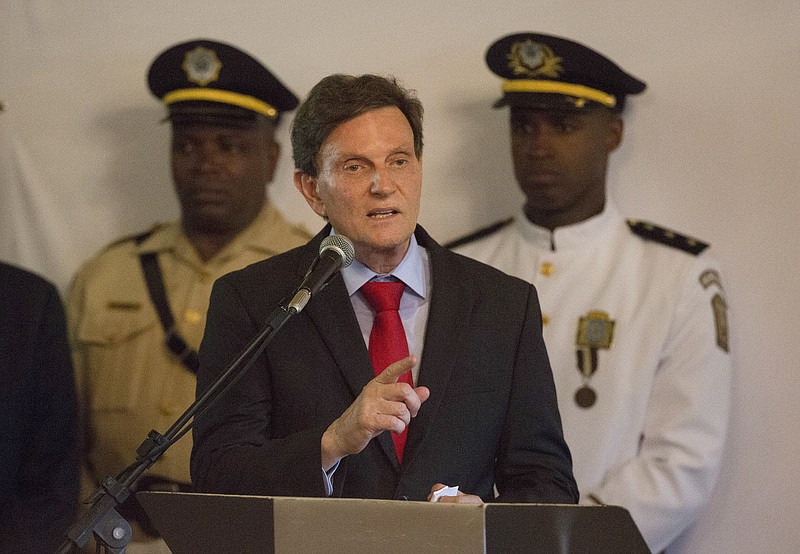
(634, 315)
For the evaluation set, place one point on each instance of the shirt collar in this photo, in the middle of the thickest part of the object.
(568, 236)
(410, 271)
(265, 234)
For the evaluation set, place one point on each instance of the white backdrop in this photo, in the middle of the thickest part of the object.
(712, 149)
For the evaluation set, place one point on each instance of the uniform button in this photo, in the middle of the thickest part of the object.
(193, 317)
(546, 269)
(545, 319)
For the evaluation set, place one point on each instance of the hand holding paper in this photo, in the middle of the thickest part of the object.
(444, 493)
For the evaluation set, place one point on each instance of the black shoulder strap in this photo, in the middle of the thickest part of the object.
(155, 286)
(479, 234)
(668, 237)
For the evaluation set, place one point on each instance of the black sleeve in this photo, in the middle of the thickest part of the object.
(534, 463)
(44, 454)
(234, 449)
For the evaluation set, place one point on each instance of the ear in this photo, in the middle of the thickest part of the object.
(273, 153)
(614, 137)
(307, 185)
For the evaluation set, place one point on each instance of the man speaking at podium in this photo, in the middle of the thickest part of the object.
(414, 368)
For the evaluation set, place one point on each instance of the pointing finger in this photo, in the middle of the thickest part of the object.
(393, 372)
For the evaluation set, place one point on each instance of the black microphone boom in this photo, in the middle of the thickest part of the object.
(335, 253)
(101, 519)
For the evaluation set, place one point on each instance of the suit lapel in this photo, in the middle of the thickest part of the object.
(333, 317)
(448, 320)
(331, 313)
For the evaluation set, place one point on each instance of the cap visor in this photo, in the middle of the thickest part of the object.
(211, 113)
(547, 101)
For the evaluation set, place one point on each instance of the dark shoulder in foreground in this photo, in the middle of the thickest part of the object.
(478, 234)
(652, 232)
(16, 280)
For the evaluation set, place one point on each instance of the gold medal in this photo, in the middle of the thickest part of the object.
(595, 331)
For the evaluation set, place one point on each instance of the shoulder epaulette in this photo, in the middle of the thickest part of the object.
(479, 234)
(649, 231)
(137, 238)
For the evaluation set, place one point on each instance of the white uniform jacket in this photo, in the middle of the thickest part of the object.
(643, 311)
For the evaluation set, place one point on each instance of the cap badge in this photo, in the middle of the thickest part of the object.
(201, 66)
(533, 59)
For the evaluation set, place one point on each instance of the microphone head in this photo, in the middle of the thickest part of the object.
(341, 245)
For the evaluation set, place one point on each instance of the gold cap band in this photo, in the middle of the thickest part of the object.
(224, 96)
(557, 87)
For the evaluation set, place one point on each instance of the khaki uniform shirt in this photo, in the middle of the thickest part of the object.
(128, 380)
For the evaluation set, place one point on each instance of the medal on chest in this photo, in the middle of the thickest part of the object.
(595, 331)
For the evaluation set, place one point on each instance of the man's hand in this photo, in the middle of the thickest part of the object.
(384, 404)
(460, 497)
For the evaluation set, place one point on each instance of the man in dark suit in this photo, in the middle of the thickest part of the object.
(39, 466)
(311, 416)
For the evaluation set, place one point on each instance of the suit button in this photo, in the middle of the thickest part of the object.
(546, 269)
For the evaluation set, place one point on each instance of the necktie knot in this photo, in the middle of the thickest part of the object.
(383, 295)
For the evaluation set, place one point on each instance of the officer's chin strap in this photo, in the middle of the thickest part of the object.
(102, 520)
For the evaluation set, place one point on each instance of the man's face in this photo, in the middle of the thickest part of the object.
(220, 174)
(560, 161)
(369, 184)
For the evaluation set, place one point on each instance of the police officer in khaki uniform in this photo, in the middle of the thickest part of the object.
(137, 310)
(634, 314)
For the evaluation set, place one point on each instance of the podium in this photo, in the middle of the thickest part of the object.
(220, 524)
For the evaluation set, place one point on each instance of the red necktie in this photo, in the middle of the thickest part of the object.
(387, 340)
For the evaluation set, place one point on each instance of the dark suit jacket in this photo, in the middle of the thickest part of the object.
(38, 416)
(492, 416)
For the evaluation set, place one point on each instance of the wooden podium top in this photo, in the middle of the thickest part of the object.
(199, 523)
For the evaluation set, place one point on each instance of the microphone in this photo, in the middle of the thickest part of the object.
(335, 253)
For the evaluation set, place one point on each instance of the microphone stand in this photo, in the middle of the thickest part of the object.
(112, 530)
